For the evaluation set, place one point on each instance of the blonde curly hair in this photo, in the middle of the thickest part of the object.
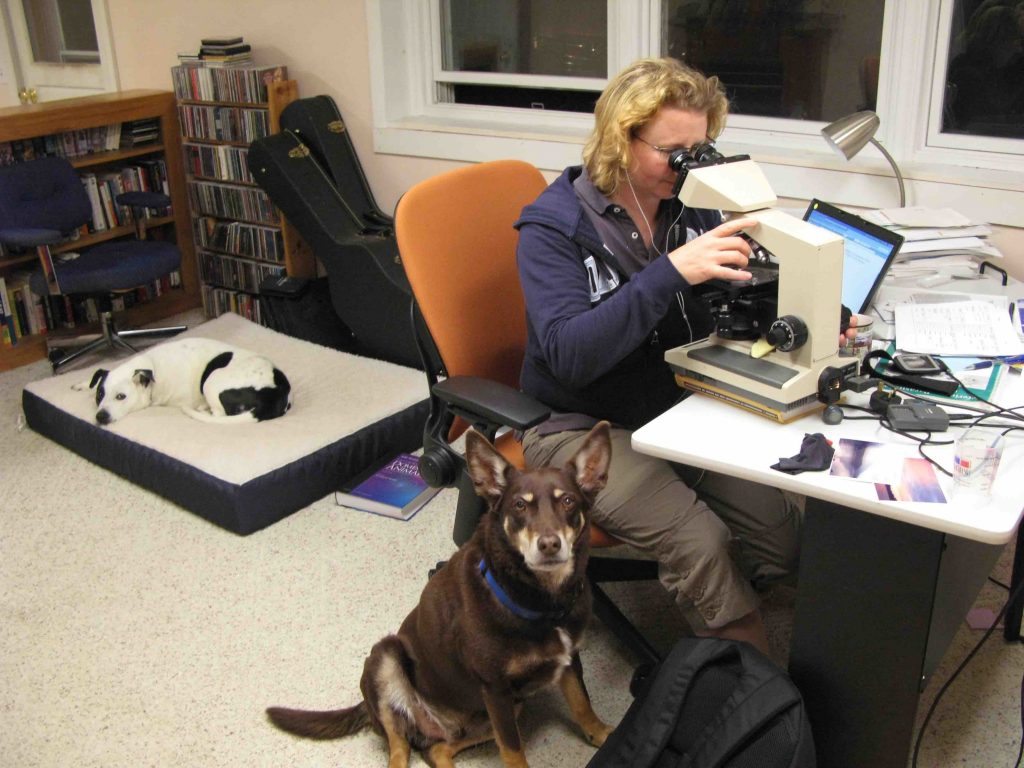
(630, 101)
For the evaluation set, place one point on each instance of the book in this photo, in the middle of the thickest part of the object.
(979, 384)
(92, 190)
(10, 336)
(220, 40)
(238, 60)
(223, 50)
(395, 489)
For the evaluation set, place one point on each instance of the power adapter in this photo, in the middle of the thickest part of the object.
(881, 400)
(916, 415)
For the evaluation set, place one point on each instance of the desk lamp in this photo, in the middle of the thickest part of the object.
(849, 134)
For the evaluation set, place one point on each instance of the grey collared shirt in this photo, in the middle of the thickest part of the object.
(617, 230)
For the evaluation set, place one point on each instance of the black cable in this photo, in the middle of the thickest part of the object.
(959, 669)
(921, 443)
(998, 583)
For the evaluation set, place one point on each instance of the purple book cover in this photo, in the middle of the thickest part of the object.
(396, 483)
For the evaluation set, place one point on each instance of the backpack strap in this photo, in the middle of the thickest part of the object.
(651, 720)
(761, 694)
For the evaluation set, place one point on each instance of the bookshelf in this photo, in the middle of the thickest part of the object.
(239, 236)
(29, 125)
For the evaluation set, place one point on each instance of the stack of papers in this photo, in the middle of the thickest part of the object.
(969, 328)
(941, 239)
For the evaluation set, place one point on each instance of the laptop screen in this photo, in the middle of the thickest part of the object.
(868, 251)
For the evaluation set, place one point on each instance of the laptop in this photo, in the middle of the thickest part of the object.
(868, 252)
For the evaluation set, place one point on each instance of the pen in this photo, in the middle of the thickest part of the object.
(1015, 360)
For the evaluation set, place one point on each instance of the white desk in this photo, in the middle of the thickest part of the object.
(883, 585)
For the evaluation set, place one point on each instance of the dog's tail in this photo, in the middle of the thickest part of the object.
(321, 725)
(245, 417)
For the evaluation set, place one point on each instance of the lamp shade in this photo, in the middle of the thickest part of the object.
(849, 134)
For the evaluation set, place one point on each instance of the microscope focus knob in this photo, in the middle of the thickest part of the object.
(787, 333)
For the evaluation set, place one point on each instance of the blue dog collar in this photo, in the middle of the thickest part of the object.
(508, 602)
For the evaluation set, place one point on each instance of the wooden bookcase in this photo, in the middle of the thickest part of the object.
(57, 117)
(239, 236)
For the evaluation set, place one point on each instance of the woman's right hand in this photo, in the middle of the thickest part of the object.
(719, 253)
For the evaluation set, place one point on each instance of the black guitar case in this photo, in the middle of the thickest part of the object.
(318, 124)
(368, 286)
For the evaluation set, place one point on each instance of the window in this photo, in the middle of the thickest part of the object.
(474, 80)
(782, 58)
(62, 31)
(511, 38)
(984, 84)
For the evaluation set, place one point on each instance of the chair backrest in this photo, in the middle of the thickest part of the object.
(459, 251)
(45, 193)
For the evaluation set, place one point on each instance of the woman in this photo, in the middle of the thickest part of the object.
(607, 256)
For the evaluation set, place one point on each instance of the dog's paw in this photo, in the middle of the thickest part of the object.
(598, 733)
(81, 386)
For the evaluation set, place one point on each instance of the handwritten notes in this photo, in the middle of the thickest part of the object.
(973, 328)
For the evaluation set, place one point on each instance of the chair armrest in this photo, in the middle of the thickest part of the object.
(487, 405)
(144, 199)
(477, 399)
(30, 237)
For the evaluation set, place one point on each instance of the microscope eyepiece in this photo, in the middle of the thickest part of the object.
(704, 152)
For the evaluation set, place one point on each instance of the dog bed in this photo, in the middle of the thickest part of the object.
(348, 413)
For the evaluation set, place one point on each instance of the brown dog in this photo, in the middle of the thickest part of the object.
(503, 618)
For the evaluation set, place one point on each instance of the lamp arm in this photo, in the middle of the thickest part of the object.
(896, 170)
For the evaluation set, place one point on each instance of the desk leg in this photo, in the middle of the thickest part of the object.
(868, 626)
(1011, 625)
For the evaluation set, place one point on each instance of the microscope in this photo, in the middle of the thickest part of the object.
(775, 346)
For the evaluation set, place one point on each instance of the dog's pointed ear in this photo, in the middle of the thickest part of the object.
(98, 377)
(590, 463)
(143, 377)
(487, 468)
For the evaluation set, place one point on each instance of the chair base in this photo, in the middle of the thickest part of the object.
(602, 569)
(109, 338)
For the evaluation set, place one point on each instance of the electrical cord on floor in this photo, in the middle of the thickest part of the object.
(963, 664)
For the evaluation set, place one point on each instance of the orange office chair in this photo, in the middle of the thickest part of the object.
(458, 247)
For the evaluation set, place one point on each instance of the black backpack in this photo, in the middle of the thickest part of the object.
(712, 704)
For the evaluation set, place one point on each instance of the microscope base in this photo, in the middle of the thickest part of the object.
(749, 401)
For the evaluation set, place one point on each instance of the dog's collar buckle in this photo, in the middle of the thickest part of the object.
(503, 598)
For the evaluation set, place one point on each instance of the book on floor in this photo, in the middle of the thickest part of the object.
(395, 489)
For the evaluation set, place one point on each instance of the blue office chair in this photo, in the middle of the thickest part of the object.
(42, 204)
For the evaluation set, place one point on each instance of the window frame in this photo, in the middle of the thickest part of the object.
(405, 67)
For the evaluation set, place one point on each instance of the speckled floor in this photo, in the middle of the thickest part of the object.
(133, 633)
